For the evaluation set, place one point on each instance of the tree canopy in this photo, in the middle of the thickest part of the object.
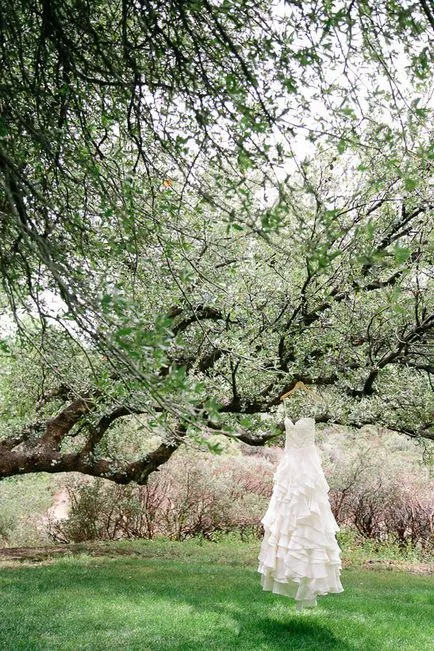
(203, 203)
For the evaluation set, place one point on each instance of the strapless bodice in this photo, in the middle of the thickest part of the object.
(300, 434)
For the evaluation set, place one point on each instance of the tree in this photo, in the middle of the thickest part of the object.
(201, 264)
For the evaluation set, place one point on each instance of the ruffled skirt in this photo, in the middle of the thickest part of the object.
(299, 555)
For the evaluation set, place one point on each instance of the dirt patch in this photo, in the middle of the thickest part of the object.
(404, 566)
(39, 554)
(32, 553)
(60, 508)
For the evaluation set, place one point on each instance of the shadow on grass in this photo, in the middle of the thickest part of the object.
(295, 635)
(144, 605)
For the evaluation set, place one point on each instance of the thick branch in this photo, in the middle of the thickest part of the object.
(200, 313)
(424, 430)
(60, 426)
(42, 457)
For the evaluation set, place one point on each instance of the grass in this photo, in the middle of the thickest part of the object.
(198, 595)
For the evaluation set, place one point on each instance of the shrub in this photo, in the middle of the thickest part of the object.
(7, 525)
(189, 496)
(382, 498)
(383, 494)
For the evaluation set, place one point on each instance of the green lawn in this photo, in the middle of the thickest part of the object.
(182, 596)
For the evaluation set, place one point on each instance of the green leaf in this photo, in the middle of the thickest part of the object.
(106, 300)
(3, 129)
(342, 145)
(290, 84)
(123, 332)
(4, 347)
(401, 254)
(410, 183)
(244, 160)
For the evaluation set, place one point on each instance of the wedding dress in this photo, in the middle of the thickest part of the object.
(299, 555)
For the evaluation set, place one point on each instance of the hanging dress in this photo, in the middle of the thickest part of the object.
(299, 555)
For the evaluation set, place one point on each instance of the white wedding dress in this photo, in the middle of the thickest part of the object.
(299, 556)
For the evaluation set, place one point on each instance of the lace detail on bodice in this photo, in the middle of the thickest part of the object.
(300, 434)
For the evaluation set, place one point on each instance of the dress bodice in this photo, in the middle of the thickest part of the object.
(300, 434)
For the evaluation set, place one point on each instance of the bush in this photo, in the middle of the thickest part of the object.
(7, 525)
(377, 490)
(189, 496)
(384, 501)
(23, 502)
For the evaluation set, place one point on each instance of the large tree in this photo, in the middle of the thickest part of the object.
(173, 259)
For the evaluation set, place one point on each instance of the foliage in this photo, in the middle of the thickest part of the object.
(377, 491)
(200, 208)
(190, 496)
(24, 501)
(7, 525)
(383, 502)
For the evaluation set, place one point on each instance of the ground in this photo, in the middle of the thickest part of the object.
(168, 596)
